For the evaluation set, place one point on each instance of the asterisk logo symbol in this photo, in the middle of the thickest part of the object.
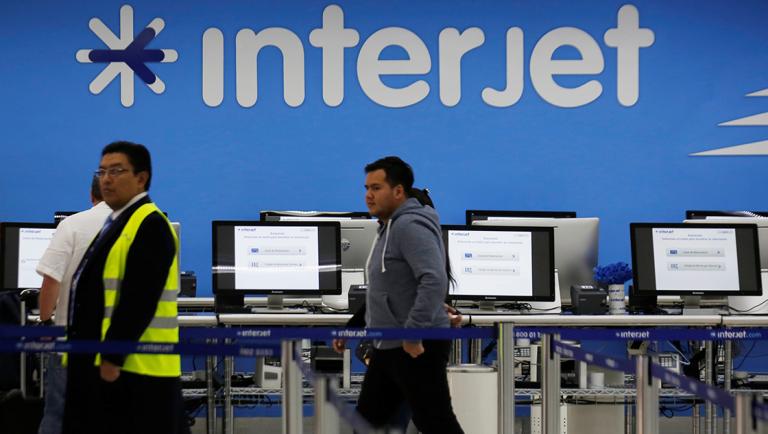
(126, 55)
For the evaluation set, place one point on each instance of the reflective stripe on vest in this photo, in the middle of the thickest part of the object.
(164, 327)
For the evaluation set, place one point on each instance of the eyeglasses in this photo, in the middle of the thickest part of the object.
(112, 172)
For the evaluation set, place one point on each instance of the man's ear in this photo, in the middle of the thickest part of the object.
(143, 177)
(399, 191)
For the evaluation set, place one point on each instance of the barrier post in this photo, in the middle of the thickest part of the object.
(709, 413)
(745, 420)
(23, 355)
(628, 417)
(210, 417)
(506, 377)
(476, 351)
(29, 294)
(647, 402)
(696, 419)
(292, 390)
(228, 415)
(550, 386)
(728, 356)
(456, 358)
(326, 416)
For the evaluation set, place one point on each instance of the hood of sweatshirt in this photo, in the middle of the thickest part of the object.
(410, 207)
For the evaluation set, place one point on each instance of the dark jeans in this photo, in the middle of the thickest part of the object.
(394, 376)
(55, 388)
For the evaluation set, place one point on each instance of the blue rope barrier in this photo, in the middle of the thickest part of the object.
(248, 340)
(327, 333)
(608, 362)
(353, 418)
(357, 422)
(662, 334)
(702, 390)
(112, 347)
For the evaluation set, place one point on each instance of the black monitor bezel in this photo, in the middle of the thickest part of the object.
(263, 215)
(267, 292)
(697, 214)
(3, 246)
(501, 298)
(514, 213)
(636, 290)
(59, 216)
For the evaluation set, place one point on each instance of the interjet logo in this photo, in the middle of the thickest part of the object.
(335, 39)
(126, 56)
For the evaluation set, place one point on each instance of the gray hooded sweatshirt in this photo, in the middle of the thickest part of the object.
(407, 281)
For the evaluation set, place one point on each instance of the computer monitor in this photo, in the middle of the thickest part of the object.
(275, 259)
(696, 214)
(695, 259)
(500, 263)
(271, 214)
(358, 230)
(576, 247)
(474, 214)
(21, 247)
(177, 228)
(58, 216)
(762, 231)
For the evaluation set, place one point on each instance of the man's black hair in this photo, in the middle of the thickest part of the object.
(137, 154)
(398, 172)
(422, 195)
(96, 189)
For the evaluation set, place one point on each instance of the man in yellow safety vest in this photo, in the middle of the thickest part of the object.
(125, 289)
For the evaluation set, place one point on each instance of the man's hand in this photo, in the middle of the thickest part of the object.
(109, 372)
(415, 349)
(453, 315)
(339, 345)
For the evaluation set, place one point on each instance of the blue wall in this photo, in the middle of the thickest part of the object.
(621, 163)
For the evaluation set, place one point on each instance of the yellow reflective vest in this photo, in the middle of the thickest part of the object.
(164, 327)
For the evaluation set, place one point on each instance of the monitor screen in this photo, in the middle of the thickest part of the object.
(21, 247)
(358, 232)
(501, 263)
(473, 214)
(286, 258)
(576, 247)
(762, 231)
(695, 259)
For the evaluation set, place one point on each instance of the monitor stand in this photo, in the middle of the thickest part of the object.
(484, 307)
(229, 303)
(275, 305)
(349, 277)
(692, 306)
(748, 304)
(549, 307)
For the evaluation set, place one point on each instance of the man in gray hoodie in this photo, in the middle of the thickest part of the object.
(407, 284)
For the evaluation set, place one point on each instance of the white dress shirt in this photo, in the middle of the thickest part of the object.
(116, 214)
(70, 242)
